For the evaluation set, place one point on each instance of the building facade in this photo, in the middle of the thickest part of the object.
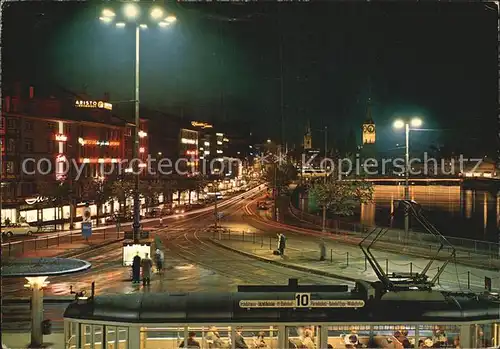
(49, 141)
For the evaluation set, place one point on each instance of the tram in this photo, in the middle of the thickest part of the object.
(330, 316)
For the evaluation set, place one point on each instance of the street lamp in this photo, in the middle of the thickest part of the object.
(398, 124)
(132, 13)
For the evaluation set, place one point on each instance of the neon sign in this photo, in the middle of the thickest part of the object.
(36, 200)
(201, 124)
(93, 104)
(142, 134)
(99, 160)
(99, 143)
(61, 138)
(188, 141)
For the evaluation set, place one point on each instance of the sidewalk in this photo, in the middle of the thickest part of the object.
(301, 228)
(348, 262)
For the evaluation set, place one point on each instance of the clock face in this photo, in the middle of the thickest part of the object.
(370, 128)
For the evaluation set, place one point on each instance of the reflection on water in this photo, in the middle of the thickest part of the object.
(454, 211)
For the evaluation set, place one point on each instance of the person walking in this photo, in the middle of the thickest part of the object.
(281, 244)
(136, 269)
(147, 265)
(159, 260)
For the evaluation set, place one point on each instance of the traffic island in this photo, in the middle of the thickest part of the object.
(36, 271)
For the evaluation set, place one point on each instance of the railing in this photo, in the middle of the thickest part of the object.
(490, 250)
(349, 263)
(19, 248)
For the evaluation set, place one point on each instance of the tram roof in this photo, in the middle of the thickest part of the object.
(225, 308)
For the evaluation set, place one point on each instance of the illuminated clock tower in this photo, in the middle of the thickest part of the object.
(368, 127)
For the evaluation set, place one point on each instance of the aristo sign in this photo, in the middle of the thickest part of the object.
(93, 104)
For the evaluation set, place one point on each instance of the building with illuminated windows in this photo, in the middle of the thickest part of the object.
(41, 136)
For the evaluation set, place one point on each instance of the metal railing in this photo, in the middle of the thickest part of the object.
(465, 247)
(348, 263)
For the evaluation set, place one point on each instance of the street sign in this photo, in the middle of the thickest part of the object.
(87, 216)
(323, 303)
(302, 300)
(86, 229)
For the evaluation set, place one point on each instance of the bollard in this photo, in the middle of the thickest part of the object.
(47, 241)
(104, 234)
(387, 266)
(438, 277)
(253, 238)
(57, 239)
(411, 268)
(366, 264)
(70, 238)
(347, 255)
(9, 248)
(331, 255)
(262, 241)
(468, 280)
(243, 235)
(270, 243)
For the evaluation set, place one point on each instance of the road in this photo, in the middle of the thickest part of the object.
(193, 265)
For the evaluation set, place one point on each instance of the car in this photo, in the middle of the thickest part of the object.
(154, 212)
(17, 229)
(179, 210)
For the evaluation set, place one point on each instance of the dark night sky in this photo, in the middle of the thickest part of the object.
(435, 60)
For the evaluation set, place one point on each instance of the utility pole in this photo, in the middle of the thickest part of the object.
(216, 214)
(323, 229)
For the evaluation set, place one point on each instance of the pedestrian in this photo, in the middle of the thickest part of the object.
(281, 244)
(159, 260)
(322, 250)
(147, 265)
(136, 269)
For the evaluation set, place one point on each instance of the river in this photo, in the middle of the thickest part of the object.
(454, 211)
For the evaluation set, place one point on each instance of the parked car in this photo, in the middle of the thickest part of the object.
(154, 212)
(18, 229)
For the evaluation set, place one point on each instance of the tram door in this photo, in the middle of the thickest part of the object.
(303, 337)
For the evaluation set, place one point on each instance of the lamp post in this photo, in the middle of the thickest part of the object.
(398, 124)
(132, 12)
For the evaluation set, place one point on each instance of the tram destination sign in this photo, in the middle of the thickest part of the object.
(303, 300)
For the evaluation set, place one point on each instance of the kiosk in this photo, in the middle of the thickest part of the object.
(131, 248)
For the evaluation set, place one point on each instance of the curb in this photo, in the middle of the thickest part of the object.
(286, 265)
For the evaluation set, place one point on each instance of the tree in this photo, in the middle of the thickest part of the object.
(100, 192)
(57, 192)
(151, 191)
(122, 189)
(281, 176)
(342, 197)
(168, 186)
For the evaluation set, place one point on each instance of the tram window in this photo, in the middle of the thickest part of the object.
(70, 339)
(439, 334)
(111, 337)
(303, 337)
(483, 336)
(98, 337)
(260, 337)
(161, 337)
(86, 336)
(212, 336)
(122, 337)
